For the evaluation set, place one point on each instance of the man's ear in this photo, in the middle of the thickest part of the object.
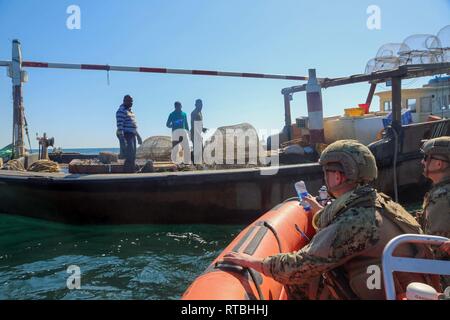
(342, 177)
(443, 164)
(338, 177)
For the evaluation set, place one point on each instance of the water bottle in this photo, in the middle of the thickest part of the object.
(323, 196)
(300, 187)
(323, 193)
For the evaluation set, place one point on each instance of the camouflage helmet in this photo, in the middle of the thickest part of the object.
(355, 160)
(437, 146)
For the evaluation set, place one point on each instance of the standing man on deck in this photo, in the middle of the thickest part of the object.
(196, 132)
(351, 234)
(177, 121)
(127, 134)
(435, 216)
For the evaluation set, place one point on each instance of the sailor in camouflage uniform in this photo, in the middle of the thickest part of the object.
(351, 234)
(435, 216)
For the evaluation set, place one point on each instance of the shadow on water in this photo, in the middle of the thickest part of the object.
(116, 262)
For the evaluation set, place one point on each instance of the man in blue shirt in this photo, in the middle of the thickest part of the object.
(177, 120)
(127, 133)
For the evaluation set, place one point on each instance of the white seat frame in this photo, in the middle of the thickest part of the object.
(391, 264)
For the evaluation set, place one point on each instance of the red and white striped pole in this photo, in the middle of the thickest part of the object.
(16, 74)
(315, 108)
(34, 64)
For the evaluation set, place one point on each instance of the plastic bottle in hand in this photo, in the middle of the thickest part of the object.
(300, 187)
(323, 196)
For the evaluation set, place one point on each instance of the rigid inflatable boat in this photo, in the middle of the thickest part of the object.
(285, 228)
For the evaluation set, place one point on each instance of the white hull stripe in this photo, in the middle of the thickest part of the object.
(315, 120)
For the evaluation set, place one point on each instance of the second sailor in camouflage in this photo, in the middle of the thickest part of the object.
(435, 216)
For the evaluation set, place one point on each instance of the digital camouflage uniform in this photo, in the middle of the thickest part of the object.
(435, 216)
(436, 210)
(351, 234)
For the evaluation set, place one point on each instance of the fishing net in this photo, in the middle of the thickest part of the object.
(415, 49)
(44, 166)
(444, 38)
(387, 58)
(421, 48)
(13, 165)
(157, 148)
(233, 145)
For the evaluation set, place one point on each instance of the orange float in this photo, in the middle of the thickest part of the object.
(285, 228)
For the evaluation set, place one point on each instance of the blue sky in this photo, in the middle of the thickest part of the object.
(283, 37)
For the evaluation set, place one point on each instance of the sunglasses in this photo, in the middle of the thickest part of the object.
(427, 156)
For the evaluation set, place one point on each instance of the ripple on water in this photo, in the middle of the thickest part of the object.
(116, 262)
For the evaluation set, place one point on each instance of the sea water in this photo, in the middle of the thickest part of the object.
(115, 262)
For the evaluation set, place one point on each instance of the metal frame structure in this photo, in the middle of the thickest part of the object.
(400, 264)
(395, 76)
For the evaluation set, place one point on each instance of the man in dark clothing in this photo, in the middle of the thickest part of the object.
(196, 131)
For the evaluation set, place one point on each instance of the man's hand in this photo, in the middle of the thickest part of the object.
(315, 206)
(139, 139)
(119, 133)
(244, 260)
(445, 247)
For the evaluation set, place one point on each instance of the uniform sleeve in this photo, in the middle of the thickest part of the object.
(438, 221)
(352, 233)
(419, 215)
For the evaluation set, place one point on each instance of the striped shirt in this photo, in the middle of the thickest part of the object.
(126, 120)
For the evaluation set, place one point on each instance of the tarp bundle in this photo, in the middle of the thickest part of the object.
(44, 166)
(406, 118)
(14, 165)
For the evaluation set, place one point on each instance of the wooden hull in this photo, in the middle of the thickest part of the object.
(235, 196)
(213, 197)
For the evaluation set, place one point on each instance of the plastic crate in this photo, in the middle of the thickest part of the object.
(354, 112)
(302, 122)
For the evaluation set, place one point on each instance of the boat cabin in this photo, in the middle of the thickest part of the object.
(433, 98)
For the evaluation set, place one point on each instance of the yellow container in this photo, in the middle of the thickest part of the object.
(354, 112)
